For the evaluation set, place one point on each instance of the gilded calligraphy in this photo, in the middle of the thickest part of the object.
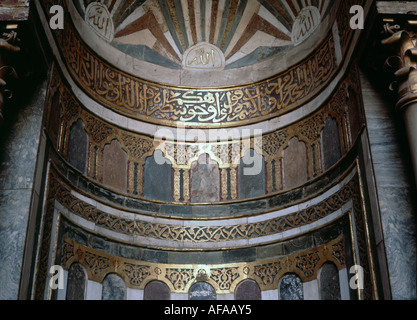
(145, 100)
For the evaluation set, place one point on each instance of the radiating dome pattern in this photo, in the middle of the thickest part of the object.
(247, 32)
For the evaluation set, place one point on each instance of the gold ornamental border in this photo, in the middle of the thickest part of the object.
(223, 277)
(193, 106)
(60, 192)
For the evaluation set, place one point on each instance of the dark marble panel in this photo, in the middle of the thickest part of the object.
(77, 282)
(286, 198)
(156, 290)
(295, 164)
(82, 183)
(141, 205)
(130, 252)
(291, 288)
(248, 290)
(157, 256)
(20, 140)
(330, 143)
(298, 244)
(251, 185)
(78, 146)
(78, 235)
(54, 118)
(252, 207)
(14, 210)
(240, 255)
(353, 113)
(329, 233)
(270, 251)
(115, 166)
(114, 288)
(329, 285)
(396, 196)
(85, 238)
(195, 257)
(202, 291)
(399, 224)
(178, 210)
(158, 178)
(212, 210)
(102, 245)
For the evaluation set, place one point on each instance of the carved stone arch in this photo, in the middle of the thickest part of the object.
(77, 282)
(114, 287)
(248, 289)
(290, 287)
(309, 130)
(156, 290)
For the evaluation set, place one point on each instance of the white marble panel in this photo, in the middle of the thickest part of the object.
(344, 284)
(311, 290)
(94, 290)
(62, 293)
(226, 297)
(179, 296)
(270, 295)
(134, 294)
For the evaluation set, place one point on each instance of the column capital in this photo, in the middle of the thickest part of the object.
(400, 41)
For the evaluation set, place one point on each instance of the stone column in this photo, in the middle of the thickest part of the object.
(402, 42)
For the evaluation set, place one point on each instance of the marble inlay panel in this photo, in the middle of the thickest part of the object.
(251, 185)
(248, 290)
(329, 282)
(295, 164)
(77, 281)
(291, 288)
(156, 290)
(393, 181)
(205, 180)
(115, 166)
(158, 178)
(330, 143)
(14, 208)
(114, 288)
(78, 146)
(19, 145)
(202, 291)
(400, 243)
